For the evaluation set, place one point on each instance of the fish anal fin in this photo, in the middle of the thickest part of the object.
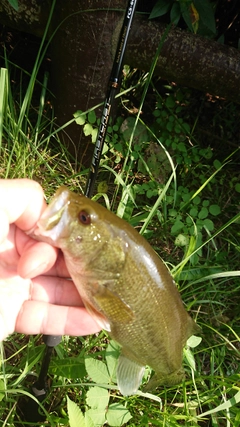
(165, 380)
(129, 375)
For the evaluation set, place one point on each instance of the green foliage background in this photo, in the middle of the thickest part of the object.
(168, 177)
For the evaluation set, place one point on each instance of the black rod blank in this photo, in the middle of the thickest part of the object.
(113, 86)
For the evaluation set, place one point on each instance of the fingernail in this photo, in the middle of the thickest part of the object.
(37, 270)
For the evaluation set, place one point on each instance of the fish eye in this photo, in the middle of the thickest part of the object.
(84, 217)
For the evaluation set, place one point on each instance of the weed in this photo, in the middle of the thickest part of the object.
(185, 200)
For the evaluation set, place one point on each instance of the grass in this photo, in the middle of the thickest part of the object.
(189, 214)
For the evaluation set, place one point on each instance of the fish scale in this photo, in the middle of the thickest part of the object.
(124, 285)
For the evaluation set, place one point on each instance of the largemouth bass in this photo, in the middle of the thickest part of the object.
(124, 285)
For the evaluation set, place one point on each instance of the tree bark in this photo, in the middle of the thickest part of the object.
(83, 49)
(31, 16)
(81, 63)
(186, 58)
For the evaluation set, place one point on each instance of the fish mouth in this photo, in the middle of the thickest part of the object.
(54, 212)
(51, 224)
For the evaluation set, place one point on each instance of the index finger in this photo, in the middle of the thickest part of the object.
(22, 202)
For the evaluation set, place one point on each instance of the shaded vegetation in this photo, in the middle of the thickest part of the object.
(171, 168)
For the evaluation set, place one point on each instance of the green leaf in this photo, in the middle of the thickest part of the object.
(186, 127)
(188, 355)
(112, 355)
(169, 126)
(72, 367)
(117, 415)
(196, 200)
(80, 117)
(76, 418)
(160, 8)
(92, 117)
(203, 213)
(237, 187)
(194, 341)
(185, 10)
(182, 147)
(170, 102)
(87, 129)
(214, 210)
(97, 370)
(177, 226)
(175, 13)
(206, 153)
(97, 398)
(217, 164)
(156, 113)
(88, 420)
(193, 212)
(208, 224)
(206, 13)
(14, 4)
(172, 212)
(94, 137)
(98, 416)
(186, 197)
(102, 187)
(181, 240)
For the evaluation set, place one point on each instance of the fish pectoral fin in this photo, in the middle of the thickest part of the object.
(98, 317)
(129, 375)
(112, 305)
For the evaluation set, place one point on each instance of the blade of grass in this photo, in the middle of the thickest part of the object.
(156, 204)
(41, 105)
(227, 274)
(220, 230)
(3, 99)
(224, 406)
(203, 185)
(145, 90)
(28, 96)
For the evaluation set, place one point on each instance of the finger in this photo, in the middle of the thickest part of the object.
(22, 200)
(55, 290)
(39, 317)
(38, 258)
(59, 269)
(4, 229)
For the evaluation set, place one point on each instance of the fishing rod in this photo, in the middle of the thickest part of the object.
(40, 389)
(28, 409)
(113, 86)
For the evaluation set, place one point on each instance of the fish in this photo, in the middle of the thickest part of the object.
(124, 285)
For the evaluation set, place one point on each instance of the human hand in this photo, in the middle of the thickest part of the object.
(36, 295)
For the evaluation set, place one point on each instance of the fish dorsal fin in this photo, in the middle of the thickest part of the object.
(112, 305)
(129, 375)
